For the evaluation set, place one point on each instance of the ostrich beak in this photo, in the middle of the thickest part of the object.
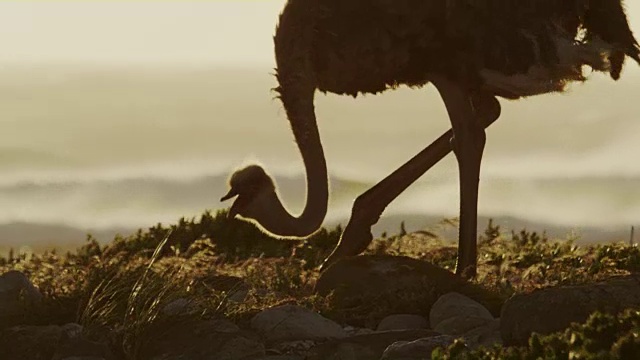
(232, 192)
(233, 210)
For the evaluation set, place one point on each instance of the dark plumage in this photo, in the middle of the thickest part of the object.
(368, 46)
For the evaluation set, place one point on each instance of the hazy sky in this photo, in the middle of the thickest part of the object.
(138, 31)
(225, 32)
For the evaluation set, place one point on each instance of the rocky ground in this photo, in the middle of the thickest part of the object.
(201, 290)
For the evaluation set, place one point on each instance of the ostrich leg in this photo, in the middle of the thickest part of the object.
(370, 205)
(468, 145)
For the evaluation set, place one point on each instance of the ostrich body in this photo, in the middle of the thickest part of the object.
(471, 51)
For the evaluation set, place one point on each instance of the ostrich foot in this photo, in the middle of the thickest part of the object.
(369, 206)
(355, 237)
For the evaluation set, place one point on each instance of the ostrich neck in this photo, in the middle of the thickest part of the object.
(300, 111)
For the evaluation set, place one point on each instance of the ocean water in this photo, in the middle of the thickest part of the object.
(109, 148)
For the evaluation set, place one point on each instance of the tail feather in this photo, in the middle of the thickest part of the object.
(607, 20)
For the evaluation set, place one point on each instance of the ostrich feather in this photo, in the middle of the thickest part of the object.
(513, 46)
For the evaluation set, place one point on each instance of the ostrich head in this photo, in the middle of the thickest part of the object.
(254, 191)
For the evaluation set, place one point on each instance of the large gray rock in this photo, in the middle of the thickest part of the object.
(456, 305)
(554, 309)
(383, 285)
(419, 349)
(457, 315)
(402, 322)
(291, 322)
(364, 347)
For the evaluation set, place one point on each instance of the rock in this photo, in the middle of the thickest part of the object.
(81, 348)
(280, 357)
(291, 322)
(486, 335)
(30, 342)
(72, 330)
(383, 285)
(352, 331)
(459, 325)
(457, 315)
(402, 322)
(298, 347)
(554, 309)
(14, 283)
(239, 348)
(457, 305)
(180, 306)
(205, 339)
(224, 326)
(16, 294)
(364, 347)
(51, 342)
(419, 349)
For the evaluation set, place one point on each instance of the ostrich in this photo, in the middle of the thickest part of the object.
(472, 52)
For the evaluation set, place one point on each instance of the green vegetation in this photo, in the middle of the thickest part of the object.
(602, 337)
(119, 291)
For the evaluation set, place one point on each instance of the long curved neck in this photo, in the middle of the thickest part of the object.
(297, 87)
(275, 218)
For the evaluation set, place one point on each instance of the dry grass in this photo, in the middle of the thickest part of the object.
(220, 267)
